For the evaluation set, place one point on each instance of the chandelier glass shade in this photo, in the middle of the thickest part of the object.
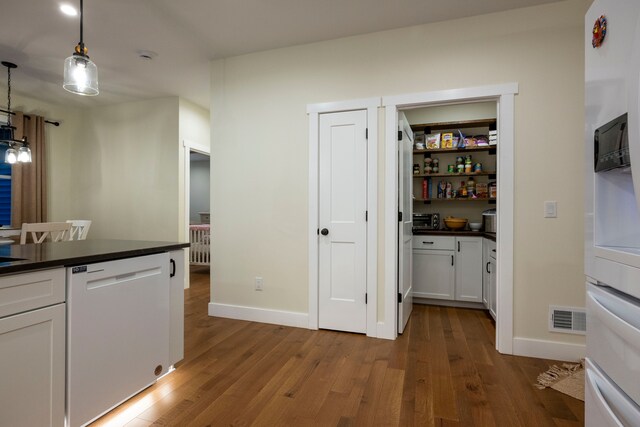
(80, 73)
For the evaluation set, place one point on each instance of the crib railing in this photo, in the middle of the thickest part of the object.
(200, 238)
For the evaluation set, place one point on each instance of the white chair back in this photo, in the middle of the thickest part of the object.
(57, 231)
(79, 228)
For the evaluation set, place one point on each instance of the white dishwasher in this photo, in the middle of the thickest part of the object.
(117, 332)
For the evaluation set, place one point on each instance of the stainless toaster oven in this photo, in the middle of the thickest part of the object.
(426, 221)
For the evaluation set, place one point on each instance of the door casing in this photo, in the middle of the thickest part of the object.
(504, 96)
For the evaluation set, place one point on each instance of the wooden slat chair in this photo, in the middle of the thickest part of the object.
(57, 231)
(79, 228)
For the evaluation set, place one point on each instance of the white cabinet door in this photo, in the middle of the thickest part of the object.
(32, 368)
(469, 269)
(433, 274)
(342, 220)
(176, 306)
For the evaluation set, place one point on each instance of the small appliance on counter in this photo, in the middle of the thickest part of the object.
(426, 221)
(490, 221)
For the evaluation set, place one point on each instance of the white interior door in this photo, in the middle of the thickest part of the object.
(405, 223)
(342, 221)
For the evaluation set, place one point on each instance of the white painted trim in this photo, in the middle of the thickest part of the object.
(194, 146)
(381, 330)
(349, 105)
(372, 222)
(314, 111)
(504, 95)
(450, 95)
(544, 349)
(390, 329)
(253, 314)
(189, 146)
(505, 209)
(314, 171)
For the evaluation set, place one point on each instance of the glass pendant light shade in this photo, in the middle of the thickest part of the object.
(11, 156)
(24, 154)
(80, 75)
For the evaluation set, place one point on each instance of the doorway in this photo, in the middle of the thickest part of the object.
(197, 211)
(504, 96)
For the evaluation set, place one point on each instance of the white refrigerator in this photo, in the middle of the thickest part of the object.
(612, 213)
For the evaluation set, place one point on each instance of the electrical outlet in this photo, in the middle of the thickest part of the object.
(550, 209)
(259, 283)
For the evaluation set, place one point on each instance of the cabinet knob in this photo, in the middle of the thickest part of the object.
(427, 243)
(324, 232)
(487, 267)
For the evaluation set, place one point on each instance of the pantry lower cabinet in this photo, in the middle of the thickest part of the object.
(469, 269)
(447, 268)
(434, 274)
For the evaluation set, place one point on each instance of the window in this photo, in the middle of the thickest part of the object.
(5, 189)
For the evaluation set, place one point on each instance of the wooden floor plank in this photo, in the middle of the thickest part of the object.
(443, 371)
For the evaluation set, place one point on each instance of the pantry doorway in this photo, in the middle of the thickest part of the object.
(504, 97)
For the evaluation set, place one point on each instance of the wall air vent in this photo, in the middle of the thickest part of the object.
(569, 320)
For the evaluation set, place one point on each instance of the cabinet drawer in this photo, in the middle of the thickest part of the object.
(444, 243)
(28, 291)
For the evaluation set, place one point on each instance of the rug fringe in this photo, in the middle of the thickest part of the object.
(556, 373)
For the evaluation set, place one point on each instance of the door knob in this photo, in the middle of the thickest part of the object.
(324, 232)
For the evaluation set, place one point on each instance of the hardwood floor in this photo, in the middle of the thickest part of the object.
(443, 371)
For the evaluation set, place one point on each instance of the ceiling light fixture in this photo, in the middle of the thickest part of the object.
(7, 136)
(80, 73)
(68, 10)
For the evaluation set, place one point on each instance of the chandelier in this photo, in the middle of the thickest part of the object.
(7, 136)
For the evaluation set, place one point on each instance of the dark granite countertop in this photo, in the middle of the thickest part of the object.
(491, 236)
(63, 254)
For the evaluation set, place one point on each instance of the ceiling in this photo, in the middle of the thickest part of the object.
(186, 35)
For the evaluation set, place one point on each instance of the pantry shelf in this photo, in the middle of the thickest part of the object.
(454, 174)
(456, 200)
(490, 148)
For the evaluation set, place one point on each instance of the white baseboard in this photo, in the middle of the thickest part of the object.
(544, 349)
(253, 314)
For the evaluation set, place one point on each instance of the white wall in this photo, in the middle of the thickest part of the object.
(200, 189)
(125, 178)
(259, 146)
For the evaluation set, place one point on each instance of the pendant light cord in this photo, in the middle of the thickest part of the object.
(81, 38)
(9, 96)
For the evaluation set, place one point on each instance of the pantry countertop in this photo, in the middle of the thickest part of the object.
(491, 236)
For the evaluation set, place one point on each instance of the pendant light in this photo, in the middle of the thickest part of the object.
(80, 73)
(12, 155)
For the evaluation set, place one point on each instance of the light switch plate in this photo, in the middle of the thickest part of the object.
(551, 209)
